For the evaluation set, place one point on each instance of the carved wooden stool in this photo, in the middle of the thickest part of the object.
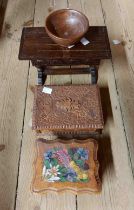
(44, 53)
(70, 108)
(66, 166)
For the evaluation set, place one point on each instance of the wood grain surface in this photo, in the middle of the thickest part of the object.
(35, 39)
(13, 96)
(125, 9)
(116, 153)
(26, 200)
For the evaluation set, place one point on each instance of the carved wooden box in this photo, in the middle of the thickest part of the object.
(66, 166)
(70, 108)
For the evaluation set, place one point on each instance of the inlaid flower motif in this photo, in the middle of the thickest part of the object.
(83, 153)
(71, 175)
(48, 155)
(66, 165)
(52, 173)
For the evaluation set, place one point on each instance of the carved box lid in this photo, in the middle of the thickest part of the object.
(67, 108)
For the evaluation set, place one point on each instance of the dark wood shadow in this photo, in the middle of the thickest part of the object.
(3, 5)
(105, 156)
(106, 104)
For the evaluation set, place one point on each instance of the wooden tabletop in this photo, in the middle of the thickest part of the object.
(36, 45)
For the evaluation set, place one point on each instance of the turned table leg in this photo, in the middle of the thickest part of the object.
(41, 76)
(94, 74)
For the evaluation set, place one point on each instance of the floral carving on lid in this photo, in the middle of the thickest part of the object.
(68, 104)
(68, 107)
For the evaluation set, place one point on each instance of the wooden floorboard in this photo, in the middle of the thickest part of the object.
(126, 12)
(17, 152)
(13, 84)
(113, 145)
(26, 200)
(123, 73)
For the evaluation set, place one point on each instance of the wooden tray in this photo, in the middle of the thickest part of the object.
(66, 166)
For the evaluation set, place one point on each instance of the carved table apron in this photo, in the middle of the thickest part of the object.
(44, 53)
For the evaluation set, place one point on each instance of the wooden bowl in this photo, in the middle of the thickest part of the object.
(66, 26)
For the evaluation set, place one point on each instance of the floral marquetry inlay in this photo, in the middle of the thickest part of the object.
(66, 164)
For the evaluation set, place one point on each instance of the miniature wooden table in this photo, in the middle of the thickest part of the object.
(44, 53)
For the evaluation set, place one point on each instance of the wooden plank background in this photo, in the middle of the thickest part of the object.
(116, 153)
(3, 4)
(126, 10)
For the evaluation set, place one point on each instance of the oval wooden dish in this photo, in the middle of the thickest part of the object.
(66, 26)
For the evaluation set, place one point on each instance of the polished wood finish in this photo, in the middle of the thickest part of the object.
(66, 26)
(39, 185)
(37, 46)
